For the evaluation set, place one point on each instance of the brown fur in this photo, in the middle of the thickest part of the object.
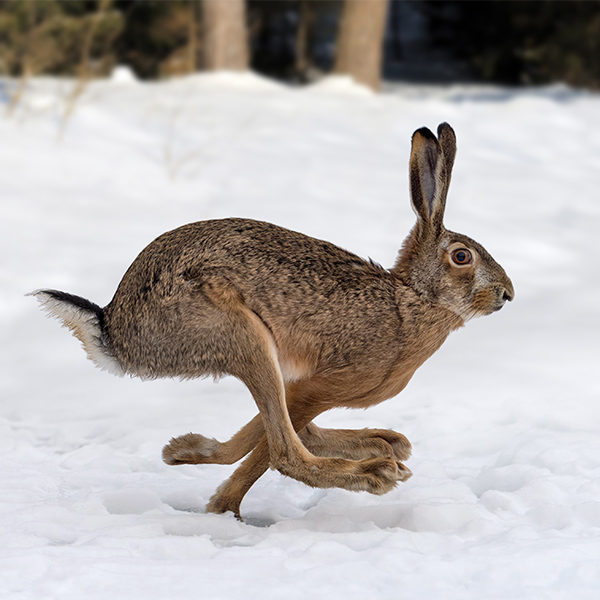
(307, 326)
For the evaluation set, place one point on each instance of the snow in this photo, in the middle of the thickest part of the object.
(504, 419)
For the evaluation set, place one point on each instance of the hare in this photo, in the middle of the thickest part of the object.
(304, 324)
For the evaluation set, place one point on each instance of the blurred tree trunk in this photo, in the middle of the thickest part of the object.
(359, 51)
(192, 45)
(225, 36)
(305, 21)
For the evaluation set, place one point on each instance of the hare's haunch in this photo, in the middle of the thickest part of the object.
(307, 326)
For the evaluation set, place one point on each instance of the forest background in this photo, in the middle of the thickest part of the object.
(300, 41)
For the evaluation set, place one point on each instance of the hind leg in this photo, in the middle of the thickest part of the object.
(196, 449)
(366, 443)
(355, 444)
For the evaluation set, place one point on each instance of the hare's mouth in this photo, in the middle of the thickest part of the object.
(489, 301)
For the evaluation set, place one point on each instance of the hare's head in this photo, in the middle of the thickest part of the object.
(442, 266)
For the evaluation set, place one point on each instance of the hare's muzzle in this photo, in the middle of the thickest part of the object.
(506, 293)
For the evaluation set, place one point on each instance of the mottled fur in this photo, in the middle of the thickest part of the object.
(306, 325)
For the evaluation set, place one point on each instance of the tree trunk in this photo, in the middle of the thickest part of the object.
(225, 37)
(192, 45)
(305, 21)
(359, 51)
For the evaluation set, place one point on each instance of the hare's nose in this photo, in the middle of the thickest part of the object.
(509, 290)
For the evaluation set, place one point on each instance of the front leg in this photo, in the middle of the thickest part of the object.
(352, 444)
(196, 449)
(256, 365)
(355, 444)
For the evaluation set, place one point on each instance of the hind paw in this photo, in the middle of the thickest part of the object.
(190, 449)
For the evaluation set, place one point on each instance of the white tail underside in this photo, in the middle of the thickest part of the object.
(84, 325)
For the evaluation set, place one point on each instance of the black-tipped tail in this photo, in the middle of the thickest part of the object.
(76, 301)
(86, 320)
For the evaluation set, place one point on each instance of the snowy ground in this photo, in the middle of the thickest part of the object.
(504, 420)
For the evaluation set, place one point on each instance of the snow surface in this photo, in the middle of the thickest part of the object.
(504, 419)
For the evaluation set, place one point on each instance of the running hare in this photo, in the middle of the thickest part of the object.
(305, 325)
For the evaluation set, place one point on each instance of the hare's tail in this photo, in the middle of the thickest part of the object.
(86, 321)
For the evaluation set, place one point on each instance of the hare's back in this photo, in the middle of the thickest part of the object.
(306, 290)
(251, 254)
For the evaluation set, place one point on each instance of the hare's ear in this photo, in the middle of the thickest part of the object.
(447, 141)
(431, 163)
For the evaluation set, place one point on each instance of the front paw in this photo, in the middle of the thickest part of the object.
(404, 473)
(381, 475)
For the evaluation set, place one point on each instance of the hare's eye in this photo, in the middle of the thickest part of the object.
(462, 256)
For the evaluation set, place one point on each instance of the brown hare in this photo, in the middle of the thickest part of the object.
(307, 326)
